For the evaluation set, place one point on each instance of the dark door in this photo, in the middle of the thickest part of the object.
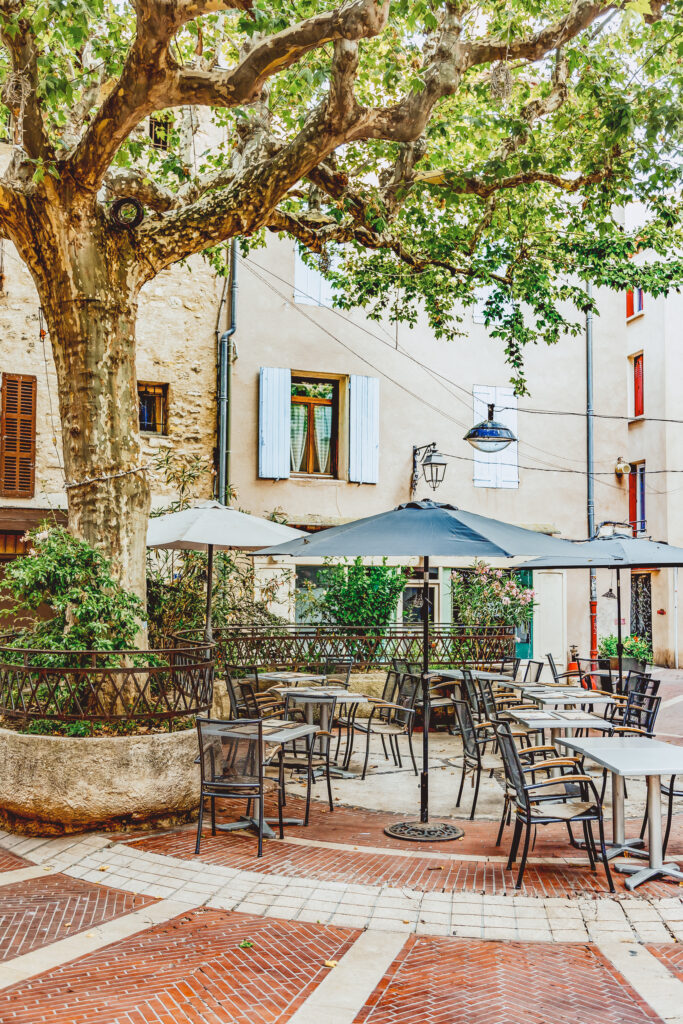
(641, 606)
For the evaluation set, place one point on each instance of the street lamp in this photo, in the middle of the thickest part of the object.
(490, 435)
(433, 466)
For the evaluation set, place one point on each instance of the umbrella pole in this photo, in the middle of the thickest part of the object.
(424, 777)
(620, 645)
(208, 632)
(423, 830)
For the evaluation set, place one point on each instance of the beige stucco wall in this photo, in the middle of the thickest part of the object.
(177, 346)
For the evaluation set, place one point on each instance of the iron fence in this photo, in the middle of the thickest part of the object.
(303, 647)
(106, 686)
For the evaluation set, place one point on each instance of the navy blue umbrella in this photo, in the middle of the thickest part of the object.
(426, 529)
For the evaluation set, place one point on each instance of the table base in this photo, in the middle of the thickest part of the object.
(268, 833)
(640, 875)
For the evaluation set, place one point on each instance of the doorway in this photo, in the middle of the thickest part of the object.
(641, 606)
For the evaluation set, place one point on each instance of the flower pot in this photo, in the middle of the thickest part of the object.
(52, 785)
(628, 664)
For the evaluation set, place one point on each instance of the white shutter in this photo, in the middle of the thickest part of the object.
(275, 399)
(363, 429)
(485, 467)
(506, 412)
(306, 282)
(496, 469)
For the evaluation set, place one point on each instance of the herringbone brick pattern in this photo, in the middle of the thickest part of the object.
(11, 862)
(362, 829)
(191, 970)
(672, 957)
(43, 910)
(458, 981)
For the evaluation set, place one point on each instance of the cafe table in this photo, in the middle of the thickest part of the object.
(635, 757)
(557, 722)
(308, 697)
(550, 696)
(290, 678)
(275, 731)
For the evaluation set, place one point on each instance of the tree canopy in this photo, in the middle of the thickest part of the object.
(451, 145)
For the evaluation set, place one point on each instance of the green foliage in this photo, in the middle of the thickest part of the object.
(519, 209)
(354, 594)
(634, 647)
(71, 581)
(483, 596)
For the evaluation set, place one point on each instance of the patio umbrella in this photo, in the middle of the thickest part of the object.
(210, 526)
(427, 529)
(617, 551)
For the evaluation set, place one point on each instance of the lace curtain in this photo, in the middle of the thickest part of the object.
(322, 436)
(297, 436)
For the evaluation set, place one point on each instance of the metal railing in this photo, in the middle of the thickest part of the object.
(106, 686)
(301, 647)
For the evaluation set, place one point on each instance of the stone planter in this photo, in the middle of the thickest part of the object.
(629, 664)
(52, 785)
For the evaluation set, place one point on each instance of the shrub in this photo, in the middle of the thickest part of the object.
(355, 594)
(483, 596)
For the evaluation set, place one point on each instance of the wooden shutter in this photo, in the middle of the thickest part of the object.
(633, 499)
(629, 303)
(506, 413)
(638, 393)
(18, 447)
(275, 400)
(363, 429)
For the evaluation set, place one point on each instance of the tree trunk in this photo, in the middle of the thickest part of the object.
(91, 307)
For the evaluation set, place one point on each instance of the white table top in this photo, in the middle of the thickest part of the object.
(557, 698)
(630, 755)
(284, 677)
(313, 693)
(456, 675)
(275, 730)
(560, 719)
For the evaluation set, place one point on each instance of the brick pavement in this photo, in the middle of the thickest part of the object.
(453, 981)
(192, 969)
(40, 911)
(11, 862)
(671, 955)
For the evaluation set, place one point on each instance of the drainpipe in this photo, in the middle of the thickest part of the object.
(225, 357)
(590, 468)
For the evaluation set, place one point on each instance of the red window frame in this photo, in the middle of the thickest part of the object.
(638, 385)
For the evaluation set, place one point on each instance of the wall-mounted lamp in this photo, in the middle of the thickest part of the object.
(622, 467)
(490, 435)
(433, 466)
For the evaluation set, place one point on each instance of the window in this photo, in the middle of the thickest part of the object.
(638, 386)
(160, 130)
(636, 498)
(313, 426)
(12, 543)
(634, 302)
(18, 447)
(310, 287)
(153, 400)
(305, 438)
(496, 469)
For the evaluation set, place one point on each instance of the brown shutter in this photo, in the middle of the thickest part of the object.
(18, 447)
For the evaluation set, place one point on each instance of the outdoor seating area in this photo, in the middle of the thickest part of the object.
(538, 745)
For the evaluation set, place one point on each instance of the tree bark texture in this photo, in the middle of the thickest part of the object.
(88, 290)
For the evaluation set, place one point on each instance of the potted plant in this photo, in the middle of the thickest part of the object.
(637, 652)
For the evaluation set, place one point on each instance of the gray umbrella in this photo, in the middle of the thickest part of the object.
(425, 528)
(618, 551)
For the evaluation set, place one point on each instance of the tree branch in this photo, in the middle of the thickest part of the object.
(20, 91)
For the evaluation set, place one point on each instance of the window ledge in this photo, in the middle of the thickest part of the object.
(316, 477)
(636, 316)
(636, 419)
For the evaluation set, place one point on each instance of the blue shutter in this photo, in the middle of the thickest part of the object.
(363, 429)
(275, 399)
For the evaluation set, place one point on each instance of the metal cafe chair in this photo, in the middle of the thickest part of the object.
(475, 760)
(391, 719)
(233, 762)
(559, 676)
(315, 754)
(531, 811)
(345, 719)
(532, 672)
(245, 701)
(337, 671)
